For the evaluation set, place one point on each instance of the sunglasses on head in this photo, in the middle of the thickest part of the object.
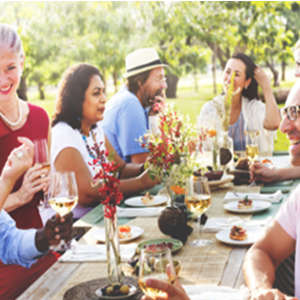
(291, 112)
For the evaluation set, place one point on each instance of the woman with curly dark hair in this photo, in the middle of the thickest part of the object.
(77, 136)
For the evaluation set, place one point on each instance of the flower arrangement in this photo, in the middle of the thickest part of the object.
(170, 149)
(107, 174)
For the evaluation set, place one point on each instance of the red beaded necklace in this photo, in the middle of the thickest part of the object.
(94, 151)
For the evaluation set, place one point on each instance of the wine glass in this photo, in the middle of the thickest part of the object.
(252, 150)
(41, 156)
(41, 153)
(198, 200)
(155, 263)
(63, 194)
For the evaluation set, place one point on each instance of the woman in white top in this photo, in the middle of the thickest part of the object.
(247, 112)
(77, 133)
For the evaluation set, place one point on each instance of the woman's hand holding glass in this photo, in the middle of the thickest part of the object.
(155, 264)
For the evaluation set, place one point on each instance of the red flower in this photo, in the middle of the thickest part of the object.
(108, 173)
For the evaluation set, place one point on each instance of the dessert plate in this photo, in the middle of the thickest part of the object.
(137, 201)
(253, 235)
(257, 206)
(135, 232)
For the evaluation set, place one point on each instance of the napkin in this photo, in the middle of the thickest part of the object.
(217, 224)
(274, 198)
(91, 253)
(213, 292)
(139, 212)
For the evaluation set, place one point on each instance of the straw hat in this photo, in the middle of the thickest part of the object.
(142, 60)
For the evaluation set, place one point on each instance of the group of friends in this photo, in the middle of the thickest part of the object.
(83, 125)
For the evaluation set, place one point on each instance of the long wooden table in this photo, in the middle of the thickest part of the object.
(218, 263)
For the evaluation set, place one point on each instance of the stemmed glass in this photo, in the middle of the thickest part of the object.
(156, 264)
(41, 156)
(41, 153)
(198, 200)
(63, 194)
(252, 150)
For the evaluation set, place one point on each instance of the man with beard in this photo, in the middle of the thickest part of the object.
(290, 125)
(126, 117)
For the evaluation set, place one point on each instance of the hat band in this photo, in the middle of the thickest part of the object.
(155, 62)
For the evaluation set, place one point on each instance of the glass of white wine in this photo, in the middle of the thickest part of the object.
(155, 264)
(198, 200)
(63, 194)
(252, 150)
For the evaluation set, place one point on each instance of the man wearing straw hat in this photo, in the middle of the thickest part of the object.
(126, 117)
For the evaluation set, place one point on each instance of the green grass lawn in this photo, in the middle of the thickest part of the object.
(188, 102)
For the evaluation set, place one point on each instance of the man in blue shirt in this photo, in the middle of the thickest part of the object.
(18, 246)
(126, 117)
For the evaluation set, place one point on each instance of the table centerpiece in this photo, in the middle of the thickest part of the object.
(106, 179)
(171, 150)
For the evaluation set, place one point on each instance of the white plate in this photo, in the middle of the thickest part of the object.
(226, 178)
(99, 234)
(253, 235)
(137, 201)
(256, 207)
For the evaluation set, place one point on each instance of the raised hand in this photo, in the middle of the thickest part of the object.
(174, 292)
(19, 160)
(56, 229)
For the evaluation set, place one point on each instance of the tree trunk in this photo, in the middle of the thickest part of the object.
(41, 91)
(22, 90)
(283, 68)
(222, 57)
(115, 80)
(275, 74)
(172, 81)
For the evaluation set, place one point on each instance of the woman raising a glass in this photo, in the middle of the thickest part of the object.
(20, 118)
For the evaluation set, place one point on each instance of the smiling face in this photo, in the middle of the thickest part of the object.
(153, 86)
(292, 127)
(11, 66)
(240, 81)
(94, 101)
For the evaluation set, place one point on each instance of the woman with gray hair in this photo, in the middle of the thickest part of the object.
(18, 118)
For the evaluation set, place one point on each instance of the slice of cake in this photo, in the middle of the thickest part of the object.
(245, 203)
(147, 198)
(238, 233)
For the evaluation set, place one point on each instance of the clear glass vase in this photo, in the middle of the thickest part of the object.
(114, 272)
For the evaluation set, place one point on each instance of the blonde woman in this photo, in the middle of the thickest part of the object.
(18, 118)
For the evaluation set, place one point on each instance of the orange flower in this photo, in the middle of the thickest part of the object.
(177, 189)
(212, 132)
(124, 228)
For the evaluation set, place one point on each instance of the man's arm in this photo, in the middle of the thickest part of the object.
(16, 246)
(23, 247)
(139, 158)
(261, 172)
(263, 258)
